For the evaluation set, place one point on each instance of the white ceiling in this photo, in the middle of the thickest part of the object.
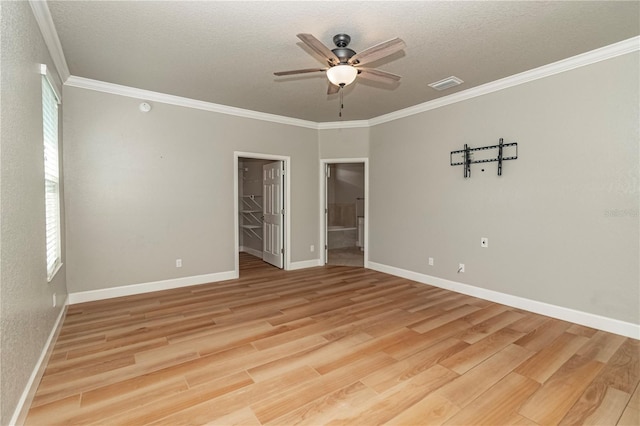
(226, 52)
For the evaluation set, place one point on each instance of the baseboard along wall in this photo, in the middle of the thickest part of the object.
(128, 290)
(24, 403)
(566, 314)
(251, 251)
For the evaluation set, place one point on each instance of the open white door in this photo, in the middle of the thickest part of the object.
(273, 213)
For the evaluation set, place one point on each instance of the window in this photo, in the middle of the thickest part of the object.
(50, 101)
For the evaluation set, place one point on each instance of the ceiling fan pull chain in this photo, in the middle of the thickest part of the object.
(341, 102)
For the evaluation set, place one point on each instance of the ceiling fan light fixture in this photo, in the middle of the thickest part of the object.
(342, 75)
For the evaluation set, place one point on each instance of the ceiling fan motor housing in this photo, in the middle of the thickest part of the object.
(342, 51)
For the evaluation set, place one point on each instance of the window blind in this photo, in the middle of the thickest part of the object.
(50, 101)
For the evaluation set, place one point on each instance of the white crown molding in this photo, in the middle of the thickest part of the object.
(50, 35)
(587, 58)
(148, 95)
(355, 124)
(599, 322)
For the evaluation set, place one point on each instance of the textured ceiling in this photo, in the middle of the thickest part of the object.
(226, 52)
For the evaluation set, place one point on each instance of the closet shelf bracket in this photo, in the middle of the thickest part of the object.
(251, 230)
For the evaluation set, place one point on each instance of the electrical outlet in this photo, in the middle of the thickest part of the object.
(484, 242)
(460, 268)
(178, 263)
(55, 300)
(431, 261)
(312, 248)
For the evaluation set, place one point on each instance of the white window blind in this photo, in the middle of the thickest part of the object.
(50, 101)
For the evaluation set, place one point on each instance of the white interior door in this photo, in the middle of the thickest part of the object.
(273, 212)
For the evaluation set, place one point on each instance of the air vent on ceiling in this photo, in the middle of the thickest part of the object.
(446, 83)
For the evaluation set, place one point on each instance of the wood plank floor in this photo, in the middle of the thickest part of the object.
(331, 345)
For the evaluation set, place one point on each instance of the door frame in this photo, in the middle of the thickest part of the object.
(286, 160)
(323, 204)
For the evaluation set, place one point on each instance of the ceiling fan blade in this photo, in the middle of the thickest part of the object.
(303, 71)
(378, 75)
(332, 89)
(317, 46)
(378, 51)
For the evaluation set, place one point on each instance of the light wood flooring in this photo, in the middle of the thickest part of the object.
(330, 345)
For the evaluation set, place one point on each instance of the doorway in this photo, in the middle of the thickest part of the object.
(261, 193)
(345, 211)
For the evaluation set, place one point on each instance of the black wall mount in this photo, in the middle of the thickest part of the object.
(464, 157)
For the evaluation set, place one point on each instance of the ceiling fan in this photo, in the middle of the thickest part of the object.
(344, 64)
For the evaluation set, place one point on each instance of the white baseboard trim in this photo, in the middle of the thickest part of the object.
(566, 314)
(128, 290)
(24, 403)
(305, 264)
(251, 251)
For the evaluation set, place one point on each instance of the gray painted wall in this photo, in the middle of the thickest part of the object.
(344, 143)
(562, 221)
(346, 182)
(26, 313)
(146, 189)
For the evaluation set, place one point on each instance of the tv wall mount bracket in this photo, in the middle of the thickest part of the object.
(465, 157)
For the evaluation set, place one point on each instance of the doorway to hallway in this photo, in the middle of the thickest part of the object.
(345, 212)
